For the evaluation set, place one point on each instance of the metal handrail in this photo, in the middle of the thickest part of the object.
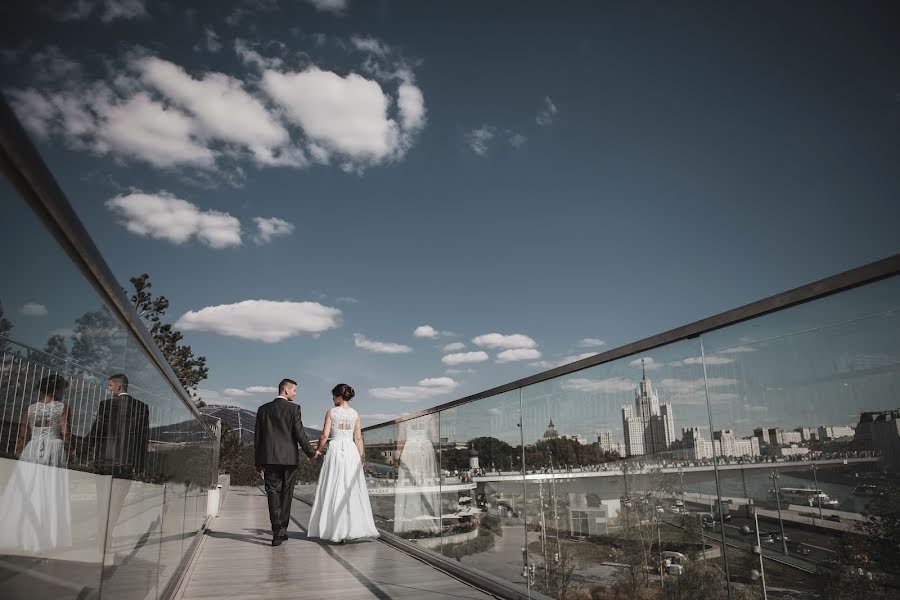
(860, 276)
(22, 164)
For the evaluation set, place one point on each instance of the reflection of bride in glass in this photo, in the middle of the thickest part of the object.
(417, 504)
(36, 500)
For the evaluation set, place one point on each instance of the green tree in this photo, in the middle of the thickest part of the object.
(189, 369)
(93, 341)
(691, 533)
(882, 528)
(701, 580)
(849, 575)
(54, 355)
(554, 577)
(492, 452)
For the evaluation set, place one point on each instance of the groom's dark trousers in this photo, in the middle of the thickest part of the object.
(279, 432)
(280, 480)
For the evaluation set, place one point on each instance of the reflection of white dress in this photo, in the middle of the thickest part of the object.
(37, 515)
(341, 509)
(417, 504)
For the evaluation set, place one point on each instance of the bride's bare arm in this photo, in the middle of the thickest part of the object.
(357, 437)
(323, 439)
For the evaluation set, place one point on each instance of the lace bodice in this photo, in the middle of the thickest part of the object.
(343, 422)
(45, 419)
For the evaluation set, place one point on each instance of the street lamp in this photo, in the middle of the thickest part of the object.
(758, 549)
(818, 491)
(775, 476)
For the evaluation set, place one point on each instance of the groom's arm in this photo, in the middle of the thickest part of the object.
(300, 434)
(257, 433)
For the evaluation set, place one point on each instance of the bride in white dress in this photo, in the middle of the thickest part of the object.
(341, 510)
(36, 499)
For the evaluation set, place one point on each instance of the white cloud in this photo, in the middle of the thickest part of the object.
(268, 228)
(214, 101)
(499, 340)
(453, 347)
(35, 110)
(210, 42)
(348, 116)
(610, 385)
(710, 360)
(649, 364)
(380, 417)
(250, 391)
(360, 341)
(143, 128)
(517, 354)
(479, 139)
(262, 320)
(236, 392)
(459, 371)
(426, 388)
(163, 216)
(262, 389)
(370, 44)
(695, 387)
(552, 364)
(347, 300)
(106, 10)
(545, 117)
(33, 309)
(737, 350)
(590, 343)
(50, 64)
(439, 382)
(252, 58)
(464, 358)
(336, 7)
(154, 111)
(426, 331)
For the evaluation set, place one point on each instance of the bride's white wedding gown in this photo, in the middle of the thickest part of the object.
(341, 510)
(36, 498)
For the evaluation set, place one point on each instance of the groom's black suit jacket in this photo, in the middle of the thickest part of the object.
(279, 429)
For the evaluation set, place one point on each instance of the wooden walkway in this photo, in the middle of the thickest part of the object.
(237, 562)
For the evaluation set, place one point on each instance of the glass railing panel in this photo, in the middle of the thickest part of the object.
(381, 473)
(171, 437)
(51, 536)
(83, 462)
(816, 388)
(606, 467)
(481, 486)
(58, 342)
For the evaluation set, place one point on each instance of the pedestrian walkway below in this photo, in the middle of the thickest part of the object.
(236, 561)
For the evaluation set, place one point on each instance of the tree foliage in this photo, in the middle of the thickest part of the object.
(189, 369)
(93, 341)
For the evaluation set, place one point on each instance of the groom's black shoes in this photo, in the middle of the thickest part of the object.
(279, 537)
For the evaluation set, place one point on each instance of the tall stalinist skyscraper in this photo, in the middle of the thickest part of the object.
(649, 428)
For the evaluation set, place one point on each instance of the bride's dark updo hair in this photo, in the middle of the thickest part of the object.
(342, 390)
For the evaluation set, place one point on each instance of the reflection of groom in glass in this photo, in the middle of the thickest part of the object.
(120, 436)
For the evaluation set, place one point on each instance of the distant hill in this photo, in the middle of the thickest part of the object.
(243, 421)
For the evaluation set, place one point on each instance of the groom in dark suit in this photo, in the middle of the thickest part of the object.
(279, 430)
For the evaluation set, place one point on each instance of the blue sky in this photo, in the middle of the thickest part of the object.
(309, 182)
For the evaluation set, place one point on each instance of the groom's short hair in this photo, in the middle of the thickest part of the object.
(284, 383)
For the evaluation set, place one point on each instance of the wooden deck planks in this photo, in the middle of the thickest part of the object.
(237, 562)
